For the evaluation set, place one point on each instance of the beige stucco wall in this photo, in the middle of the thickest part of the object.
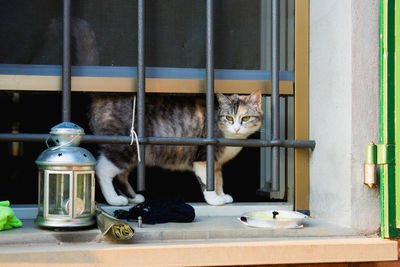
(344, 110)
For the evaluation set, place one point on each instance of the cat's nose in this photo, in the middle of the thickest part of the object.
(237, 130)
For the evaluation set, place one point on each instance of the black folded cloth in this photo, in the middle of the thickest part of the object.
(167, 209)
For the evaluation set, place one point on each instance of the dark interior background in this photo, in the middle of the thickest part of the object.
(175, 37)
(38, 112)
(175, 32)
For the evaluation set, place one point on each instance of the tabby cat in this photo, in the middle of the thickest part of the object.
(237, 117)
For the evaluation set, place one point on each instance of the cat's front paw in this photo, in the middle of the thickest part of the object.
(213, 199)
(118, 201)
(137, 199)
(228, 199)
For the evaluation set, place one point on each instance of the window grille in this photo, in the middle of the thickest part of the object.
(275, 143)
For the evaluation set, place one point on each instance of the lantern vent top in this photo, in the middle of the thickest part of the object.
(67, 134)
(67, 153)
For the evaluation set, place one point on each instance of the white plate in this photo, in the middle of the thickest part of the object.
(273, 219)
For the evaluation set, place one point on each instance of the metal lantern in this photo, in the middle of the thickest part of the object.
(66, 180)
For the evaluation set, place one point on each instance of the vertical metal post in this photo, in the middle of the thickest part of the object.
(210, 185)
(275, 96)
(265, 152)
(66, 67)
(141, 93)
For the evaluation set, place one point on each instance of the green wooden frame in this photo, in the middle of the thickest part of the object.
(389, 111)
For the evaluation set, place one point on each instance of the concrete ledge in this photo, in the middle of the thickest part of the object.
(208, 241)
(202, 229)
(204, 253)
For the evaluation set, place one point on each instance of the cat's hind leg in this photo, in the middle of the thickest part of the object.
(106, 171)
(126, 188)
(216, 197)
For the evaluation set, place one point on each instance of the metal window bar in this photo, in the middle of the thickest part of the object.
(210, 92)
(66, 66)
(209, 141)
(275, 129)
(141, 93)
(185, 141)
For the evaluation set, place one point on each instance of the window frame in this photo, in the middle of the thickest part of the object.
(162, 85)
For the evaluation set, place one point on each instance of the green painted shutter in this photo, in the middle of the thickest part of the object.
(389, 111)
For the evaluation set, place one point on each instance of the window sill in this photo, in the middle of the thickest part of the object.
(209, 240)
(201, 253)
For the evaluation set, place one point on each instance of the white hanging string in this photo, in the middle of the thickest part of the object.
(133, 133)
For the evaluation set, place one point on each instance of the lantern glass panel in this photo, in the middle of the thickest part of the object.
(40, 191)
(59, 193)
(84, 194)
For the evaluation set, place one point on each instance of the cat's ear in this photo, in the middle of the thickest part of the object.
(255, 99)
(223, 100)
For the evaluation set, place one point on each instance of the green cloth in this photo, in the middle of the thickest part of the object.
(7, 217)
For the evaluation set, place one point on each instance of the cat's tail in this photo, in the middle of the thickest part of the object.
(83, 40)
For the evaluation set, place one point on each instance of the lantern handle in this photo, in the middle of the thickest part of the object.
(62, 145)
(47, 141)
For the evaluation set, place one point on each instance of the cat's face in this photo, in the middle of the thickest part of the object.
(240, 116)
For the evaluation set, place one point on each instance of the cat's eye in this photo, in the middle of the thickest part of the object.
(229, 118)
(245, 118)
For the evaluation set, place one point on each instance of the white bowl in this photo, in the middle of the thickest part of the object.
(273, 219)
